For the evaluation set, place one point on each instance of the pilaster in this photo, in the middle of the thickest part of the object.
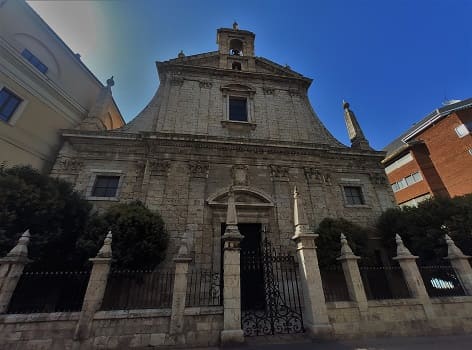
(315, 312)
(352, 275)
(232, 332)
(412, 275)
(95, 289)
(11, 269)
(460, 264)
(179, 292)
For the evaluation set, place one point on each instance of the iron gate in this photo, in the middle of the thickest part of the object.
(270, 295)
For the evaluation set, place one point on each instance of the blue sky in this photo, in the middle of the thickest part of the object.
(393, 61)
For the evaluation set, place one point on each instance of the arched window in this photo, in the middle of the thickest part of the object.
(235, 47)
(236, 66)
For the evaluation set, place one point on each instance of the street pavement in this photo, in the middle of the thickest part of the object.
(462, 342)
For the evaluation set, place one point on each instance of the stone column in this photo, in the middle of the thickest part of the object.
(232, 332)
(95, 289)
(460, 264)
(11, 269)
(352, 275)
(315, 312)
(179, 291)
(412, 275)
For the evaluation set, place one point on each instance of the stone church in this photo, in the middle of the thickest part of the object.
(223, 120)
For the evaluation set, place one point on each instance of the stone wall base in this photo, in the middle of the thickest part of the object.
(203, 326)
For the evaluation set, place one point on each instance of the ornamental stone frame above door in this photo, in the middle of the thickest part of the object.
(252, 205)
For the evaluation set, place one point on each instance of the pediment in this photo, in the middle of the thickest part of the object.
(266, 66)
(238, 88)
(244, 197)
(203, 60)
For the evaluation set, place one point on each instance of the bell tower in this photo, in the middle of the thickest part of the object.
(236, 48)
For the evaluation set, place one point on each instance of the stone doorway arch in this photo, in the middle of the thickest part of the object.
(253, 206)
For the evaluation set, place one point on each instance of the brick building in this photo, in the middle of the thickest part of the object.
(434, 157)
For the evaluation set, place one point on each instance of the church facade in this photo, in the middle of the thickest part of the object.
(221, 121)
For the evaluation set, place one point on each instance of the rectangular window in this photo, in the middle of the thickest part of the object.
(417, 177)
(462, 130)
(395, 187)
(9, 102)
(353, 195)
(238, 109)
(34, 61)
(105, 186)
(407, 181)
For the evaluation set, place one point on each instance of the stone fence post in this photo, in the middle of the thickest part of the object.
(315, 311)
(460, 264)
(412, 275)
(352, 275)
(11, 269)
(232, 332)
(179, 292)
(95, 289)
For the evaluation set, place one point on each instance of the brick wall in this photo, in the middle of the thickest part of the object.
(449, 153)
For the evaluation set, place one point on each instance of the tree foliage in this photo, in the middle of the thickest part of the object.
(55, 214)
(139, 236)
(328, 242)
(65, 233)
(420, 227)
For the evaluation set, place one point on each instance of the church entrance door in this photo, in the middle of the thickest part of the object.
(270, 295)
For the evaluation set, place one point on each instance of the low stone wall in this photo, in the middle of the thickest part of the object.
(401, 317)
(147, 328)
(121, 329)
(45, 331)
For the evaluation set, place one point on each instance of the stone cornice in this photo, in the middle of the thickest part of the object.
(213, 71)
(38, 84)
(157, 139)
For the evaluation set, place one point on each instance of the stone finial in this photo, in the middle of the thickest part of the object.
(21, 248)
(345, 248)
(346, 251)
(402, 251)
(235, 25)
(354, 130)
(453, 251)
(231, 231)
(110, 82)
(181, 54)
(185, 245)
(105, 250)
(299, 217)
(231, 215)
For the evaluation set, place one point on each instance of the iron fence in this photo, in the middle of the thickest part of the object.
(41, 291)
(384, 282)
(203, 288)
(441, 281)
(138, 290)
(334, 284)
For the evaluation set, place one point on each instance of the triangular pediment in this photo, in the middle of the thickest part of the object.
(263, 65)
(212, 59)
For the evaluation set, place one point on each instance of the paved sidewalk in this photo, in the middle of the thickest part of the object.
(463, 342)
